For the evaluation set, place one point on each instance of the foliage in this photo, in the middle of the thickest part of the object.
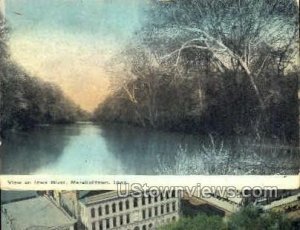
(200, 221)
(26, 100)
(252, 218)
(211, 67)
(247, 218)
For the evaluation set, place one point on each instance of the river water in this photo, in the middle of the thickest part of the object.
(88, 148)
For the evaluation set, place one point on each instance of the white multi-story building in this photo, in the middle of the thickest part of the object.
(134, 211)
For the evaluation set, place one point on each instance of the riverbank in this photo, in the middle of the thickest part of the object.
(87, 148)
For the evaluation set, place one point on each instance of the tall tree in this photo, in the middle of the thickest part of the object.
(240, 34)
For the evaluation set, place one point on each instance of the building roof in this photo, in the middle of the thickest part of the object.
(5, 223)
(11, 196)
(88, 193)
(283, 201)
(83, 193)
(35, 213)
(105, 195)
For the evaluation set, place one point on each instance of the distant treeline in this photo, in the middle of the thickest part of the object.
(27, 101)
(207, 67)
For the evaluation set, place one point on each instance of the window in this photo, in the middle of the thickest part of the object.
(93, 212)
(121, 220)
(100, 225)
(143, 200)
(144, 227)
(174, 193)
(154, 195)
(150, 212)
(100, 211)
(135, 202)
(113, 207)
(114, 221)
(149, 199)
(174, 206)
(150, 226)
(155, 211)
(162, 209)
(121, 206)
(93, 226)
(106, 209)
(167, 194)
(127, 219)
(107, 224)
(127, 204)
(161, 197)
(144, 214)
(174, 218)
(168, 208)
(137, 228)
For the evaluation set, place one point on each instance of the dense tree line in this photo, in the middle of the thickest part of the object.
(247, 218)
(26, 100)
(221, 67)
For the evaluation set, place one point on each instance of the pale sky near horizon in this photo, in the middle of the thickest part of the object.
(69, 42)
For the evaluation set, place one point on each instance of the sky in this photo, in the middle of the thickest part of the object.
(70, 42)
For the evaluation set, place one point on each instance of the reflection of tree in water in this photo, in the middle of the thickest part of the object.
(138, 148)
(241, 158)
(31, 150)
(143, 151)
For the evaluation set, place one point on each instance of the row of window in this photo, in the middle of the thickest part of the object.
(127, 204)
(106, 209)
(162, 210)
(168, 195)
(112, 222)
(154, 199)
(150, 226)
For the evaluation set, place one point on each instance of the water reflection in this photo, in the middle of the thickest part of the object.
(23, 152)
(153, 152)
(119, 149)
(84, 154)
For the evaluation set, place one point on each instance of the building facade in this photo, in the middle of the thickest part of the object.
(134, 211)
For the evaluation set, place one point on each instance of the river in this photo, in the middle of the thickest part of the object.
(88, 148)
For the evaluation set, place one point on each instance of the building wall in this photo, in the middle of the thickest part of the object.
(147, 214)
(68, 200)
(2, 7)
